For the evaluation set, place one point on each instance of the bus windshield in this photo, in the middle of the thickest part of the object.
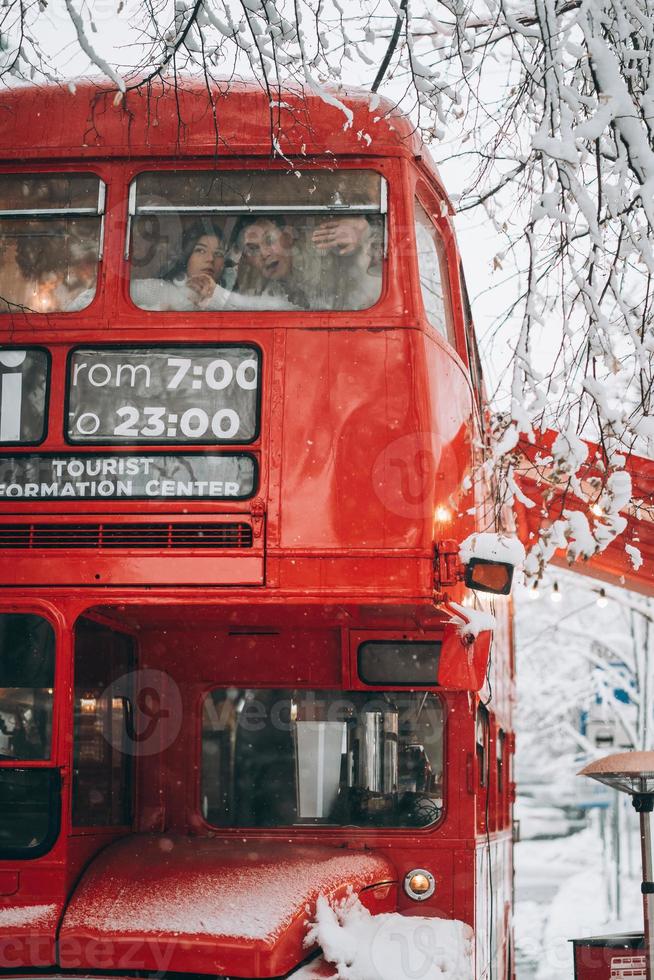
(50, 241)
(247, 240)
(278, 758)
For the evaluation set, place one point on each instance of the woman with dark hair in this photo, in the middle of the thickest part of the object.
(202, 258)
(193, 281)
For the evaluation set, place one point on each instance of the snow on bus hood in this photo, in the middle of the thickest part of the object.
(203, 905)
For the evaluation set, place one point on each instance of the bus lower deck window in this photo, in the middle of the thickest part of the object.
(276, 758)
(29, 797)
(257, 241)
(50, 241)
(26, 686)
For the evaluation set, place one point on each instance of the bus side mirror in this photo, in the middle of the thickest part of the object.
(489, 576)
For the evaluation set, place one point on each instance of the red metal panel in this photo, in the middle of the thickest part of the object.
(90, 122)
(216, 907)
(59, 568)
(383, 440)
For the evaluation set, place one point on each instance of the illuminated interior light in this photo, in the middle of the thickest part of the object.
(556, 595)
(602, 600)
(419, 884)
(88, 705)
(533, 592)
(44, 298)
(442, 515)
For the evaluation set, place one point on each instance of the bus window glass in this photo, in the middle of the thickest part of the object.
(399, 662)
(103, 714)
(30, 811)
(471, 339)
(433, 274)
(274, 758)
(482, 738)
(26, 685)
(50, 240)
(211, 241)
(499, 752)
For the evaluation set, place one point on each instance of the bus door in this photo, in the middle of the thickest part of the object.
(103, 714)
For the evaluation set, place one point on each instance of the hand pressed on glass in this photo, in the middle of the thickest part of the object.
(342, 235)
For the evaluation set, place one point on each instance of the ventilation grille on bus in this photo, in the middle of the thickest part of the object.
(104, 536)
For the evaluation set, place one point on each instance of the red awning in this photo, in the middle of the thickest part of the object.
(538, 480)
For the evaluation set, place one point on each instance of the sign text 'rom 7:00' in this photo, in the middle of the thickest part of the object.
(163, 394)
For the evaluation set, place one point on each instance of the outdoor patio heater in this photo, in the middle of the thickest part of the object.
(633, 773)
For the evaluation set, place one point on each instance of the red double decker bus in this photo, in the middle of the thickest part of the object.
(239, 417)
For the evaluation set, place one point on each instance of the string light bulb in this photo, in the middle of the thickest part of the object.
(602, 600)
(533, 592)
(556, 595)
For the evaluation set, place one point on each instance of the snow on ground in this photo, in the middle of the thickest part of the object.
(562, 891)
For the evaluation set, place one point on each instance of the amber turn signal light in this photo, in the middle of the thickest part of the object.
(419, 884)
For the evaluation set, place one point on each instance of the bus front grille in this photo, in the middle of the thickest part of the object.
(158, 536)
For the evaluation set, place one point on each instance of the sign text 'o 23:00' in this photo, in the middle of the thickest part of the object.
(163, 394)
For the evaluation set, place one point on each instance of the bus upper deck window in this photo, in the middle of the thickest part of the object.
(433, 274)
(50, 241)
(248, 240)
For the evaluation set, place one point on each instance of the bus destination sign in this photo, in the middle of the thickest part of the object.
(163, 395)
(101, 476)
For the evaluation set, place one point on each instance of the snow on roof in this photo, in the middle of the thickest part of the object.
(492, 547)
(391, 946)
